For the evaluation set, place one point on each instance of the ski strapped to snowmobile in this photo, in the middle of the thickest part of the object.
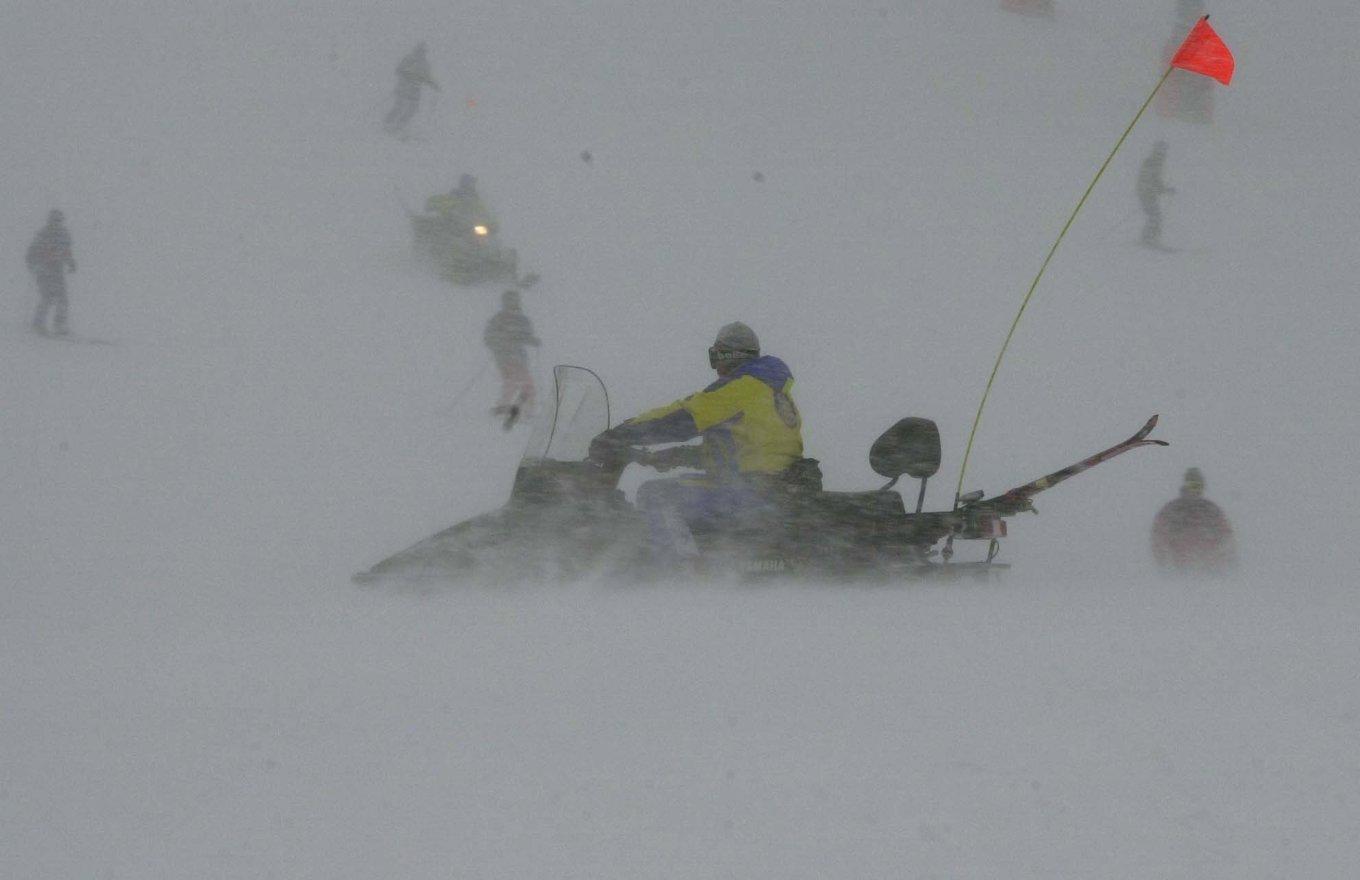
(1017, 500)
(567, 518)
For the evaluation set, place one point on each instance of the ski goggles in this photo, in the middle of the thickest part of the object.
(725, 355)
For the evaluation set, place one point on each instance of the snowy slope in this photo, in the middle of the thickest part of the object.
(192, 687)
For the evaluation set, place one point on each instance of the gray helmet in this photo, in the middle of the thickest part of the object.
(735, 342)
(1193, 482)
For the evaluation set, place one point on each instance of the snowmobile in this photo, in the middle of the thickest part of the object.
(567, 518)
(463, 250)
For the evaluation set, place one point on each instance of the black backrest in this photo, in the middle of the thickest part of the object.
(912, 447)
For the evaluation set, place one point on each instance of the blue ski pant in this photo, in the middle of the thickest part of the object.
(671, 506)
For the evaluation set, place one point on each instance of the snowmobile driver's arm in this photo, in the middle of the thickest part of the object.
(612, 445)
(673, 423)
(674, 457)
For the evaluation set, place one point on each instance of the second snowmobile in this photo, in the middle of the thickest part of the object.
(463, 253)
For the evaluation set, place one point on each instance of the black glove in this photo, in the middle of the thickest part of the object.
(606, 450)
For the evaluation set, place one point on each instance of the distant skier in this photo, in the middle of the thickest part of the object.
(1185, 96)
(48, 258)
(1191, 533)
(508, 335)
(412, 74)
(1151, 188)
(752, 435)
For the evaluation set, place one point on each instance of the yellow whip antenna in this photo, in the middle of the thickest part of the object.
(958, 490)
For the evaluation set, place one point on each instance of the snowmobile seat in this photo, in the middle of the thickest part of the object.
(849, 506)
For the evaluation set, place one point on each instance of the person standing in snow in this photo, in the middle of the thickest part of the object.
(508, 335)
(1191, 533)
(752, 435)
(1151, 188)
(412, 74)
(48, 258)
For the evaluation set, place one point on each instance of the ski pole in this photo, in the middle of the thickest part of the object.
(958, 490)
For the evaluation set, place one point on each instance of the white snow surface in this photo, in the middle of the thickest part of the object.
(190, 686)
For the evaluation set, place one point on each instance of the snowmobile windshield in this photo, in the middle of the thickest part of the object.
(577, 411)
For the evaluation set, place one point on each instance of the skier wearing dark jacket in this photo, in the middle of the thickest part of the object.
(507, 335)
(48, 258)
(412, 73)
(751, 431)
(1191, 533)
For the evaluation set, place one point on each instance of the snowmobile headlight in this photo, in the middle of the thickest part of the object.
(480, 230)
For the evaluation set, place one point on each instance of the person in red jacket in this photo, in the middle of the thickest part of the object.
(48, 258)
(1191, 533)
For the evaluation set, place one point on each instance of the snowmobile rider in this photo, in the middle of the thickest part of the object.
(1191, 533)
(751, 432)
(412, 73)
(48, 258)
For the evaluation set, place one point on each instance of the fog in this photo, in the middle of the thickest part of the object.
(191, 685)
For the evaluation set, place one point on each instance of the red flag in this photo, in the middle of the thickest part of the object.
(1205, 53)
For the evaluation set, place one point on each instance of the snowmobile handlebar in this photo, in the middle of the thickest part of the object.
(609, 452)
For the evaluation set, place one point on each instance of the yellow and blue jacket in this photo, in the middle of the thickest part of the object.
(748, 422)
